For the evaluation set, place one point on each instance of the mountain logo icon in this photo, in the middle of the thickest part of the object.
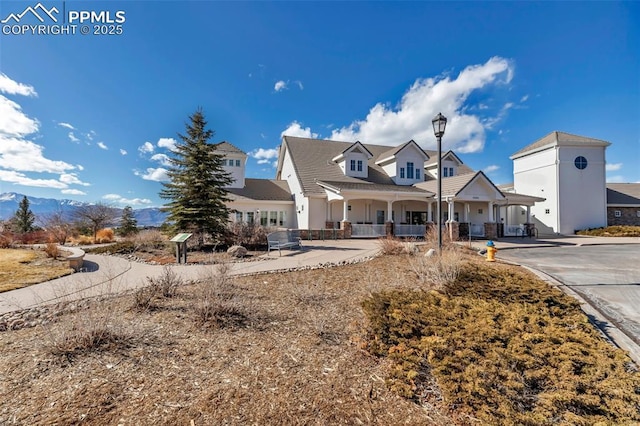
(38, 11)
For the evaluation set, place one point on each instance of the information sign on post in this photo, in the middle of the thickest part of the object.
(181, 247)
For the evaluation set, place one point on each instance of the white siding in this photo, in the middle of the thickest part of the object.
(237, 173)
(301, 207)
(536, 175)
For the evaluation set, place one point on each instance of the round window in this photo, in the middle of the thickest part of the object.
(580, 162)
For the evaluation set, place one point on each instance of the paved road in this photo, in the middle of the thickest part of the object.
(606, 276)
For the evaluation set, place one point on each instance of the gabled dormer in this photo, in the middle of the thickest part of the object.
(404, 164)
(353, 160)
(235, 161)
(450, 164)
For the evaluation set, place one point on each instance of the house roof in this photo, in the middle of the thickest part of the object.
(368, 186)
(621, 194)
(452, 186)
(434, 158)
(558, 139)
(225, 146)
(262, 189)
(390, 153)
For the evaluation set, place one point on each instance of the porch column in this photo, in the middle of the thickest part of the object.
(490, 212)
(528, 214)
(345, 210)
(328, 211)
(390, 211)
(429, 211)
(450, 202)
(466, 212)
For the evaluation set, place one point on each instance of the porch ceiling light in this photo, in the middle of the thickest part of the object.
(439, 124)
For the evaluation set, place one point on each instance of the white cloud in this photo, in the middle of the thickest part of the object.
(299, 83)
(126, 201)
(146, 148)
(80, 167)
(612, 167)
(102, 145)
(73, 138)
(168, 143)
(157, 175)
(26, 156)
(72, 179)
(295, 129)
(123, 152)
(11, 87)
(67, 125)
(411, 118)
(162, 159)
(13, 121)
(491, 168)
(280, 85)
(616, 179)
(73, 192)
(524, 98)
(90, 135)
(264, 156)
(21, 179)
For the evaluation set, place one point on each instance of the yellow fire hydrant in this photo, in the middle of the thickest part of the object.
(491, 251)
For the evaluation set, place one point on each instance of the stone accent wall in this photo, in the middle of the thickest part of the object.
(463, 230)
(388, 229)
(453, 231)
(628, 216)
(346, 228)
(491, 230)
(530, 229)
(321, 234)
(329, 224)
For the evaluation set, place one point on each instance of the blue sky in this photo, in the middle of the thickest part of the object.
(93, 117)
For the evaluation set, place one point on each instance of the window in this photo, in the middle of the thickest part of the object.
(638, 213)
(359, 165)
(617, 213)
(282, 218)
(479, 211)
(450, 171)
(230, 163)
(401, 172)
(237, 163)
(353, 165)
(547, 211)
(409, 170)
(238, 216)
(250, 217)
(417, 173)
(264, 218)
(273, 218)
(580, 162)
(445, 172)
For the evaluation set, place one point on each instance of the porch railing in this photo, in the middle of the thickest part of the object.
(409, 230)
(514, 230)
(477, 230)
(367, 230)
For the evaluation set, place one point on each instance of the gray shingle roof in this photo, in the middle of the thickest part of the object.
(262, 189)
(558, 138)
(621, 194)
(225, 146)
(368, 186)
(311, 159)
(451, 186)
(393, 151)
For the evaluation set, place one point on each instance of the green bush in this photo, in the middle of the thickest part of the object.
(505, 349)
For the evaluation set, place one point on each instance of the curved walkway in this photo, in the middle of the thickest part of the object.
(110, 274)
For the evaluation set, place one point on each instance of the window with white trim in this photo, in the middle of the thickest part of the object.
(409, 170)
(353, 165)
(401, 172)
(617, 213)
(547, 211)
(238, 216)
(417, 173)
(359, 165)
(445, 172)
(450, 171)
(237, 163)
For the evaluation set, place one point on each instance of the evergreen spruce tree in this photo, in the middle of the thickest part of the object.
(197, 188)
(128, 222)
(24, 217)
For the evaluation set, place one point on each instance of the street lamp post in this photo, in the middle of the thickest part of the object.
(439, 123)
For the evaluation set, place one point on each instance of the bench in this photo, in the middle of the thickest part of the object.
(283, 240)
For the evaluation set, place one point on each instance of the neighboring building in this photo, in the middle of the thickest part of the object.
(569, 172)
(623, 204)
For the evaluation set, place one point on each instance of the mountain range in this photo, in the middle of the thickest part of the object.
(9, 201)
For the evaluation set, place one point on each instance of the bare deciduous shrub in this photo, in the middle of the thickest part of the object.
(164, 286)
(391, 245)
(439, 271)
(149, 239)
(250, 235)
(431, 237)
(219, 303)
(52, 250)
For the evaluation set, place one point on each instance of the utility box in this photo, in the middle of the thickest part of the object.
(181, 247)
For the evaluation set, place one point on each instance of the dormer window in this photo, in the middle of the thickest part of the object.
(353, 165)
(409, 170)
(359, 165)
(450, 171)
(445, 172)
(401, 172)
(418, 174)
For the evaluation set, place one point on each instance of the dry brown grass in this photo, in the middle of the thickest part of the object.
(612, 231)
(21, 268)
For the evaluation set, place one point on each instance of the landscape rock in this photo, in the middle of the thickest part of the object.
(237, 251)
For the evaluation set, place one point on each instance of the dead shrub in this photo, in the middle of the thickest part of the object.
(438, 271)
(148, 239)
(219, 303)
(164, 286)
(52, 250)
(431, 237)
(250, 235)
(391, 246)
(105, 236)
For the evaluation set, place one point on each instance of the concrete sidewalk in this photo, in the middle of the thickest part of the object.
(509, 243)
(111, 274)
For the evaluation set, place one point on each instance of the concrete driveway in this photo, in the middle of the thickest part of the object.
(605, 276)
